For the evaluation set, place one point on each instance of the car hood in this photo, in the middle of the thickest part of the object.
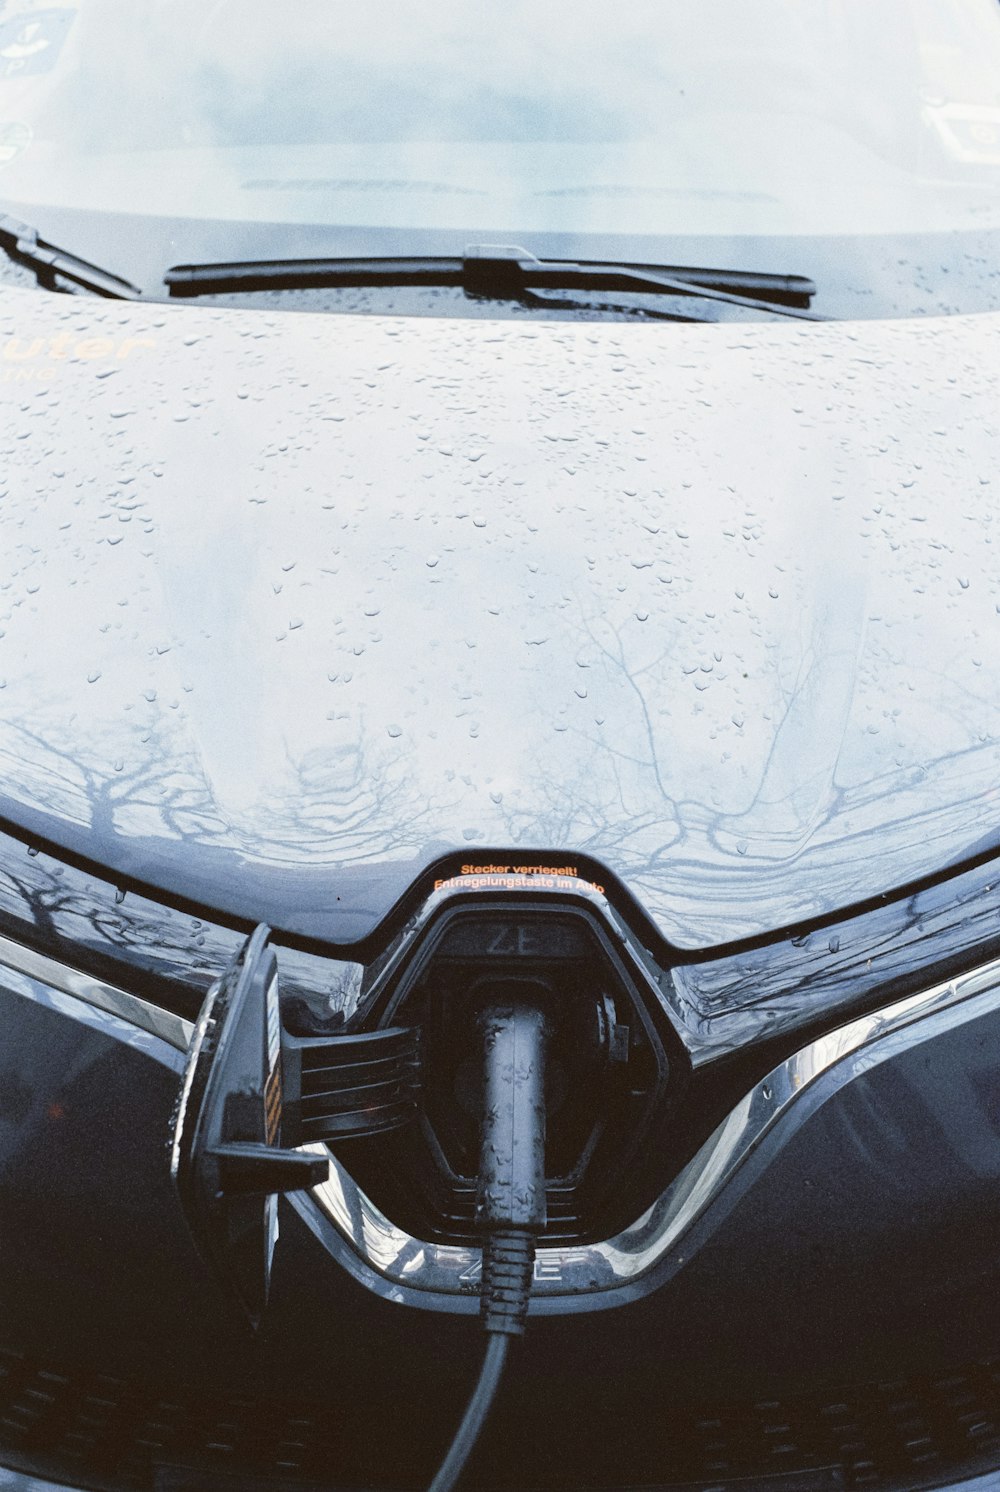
(294, 604)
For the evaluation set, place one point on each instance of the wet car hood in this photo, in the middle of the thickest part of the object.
(294, 604)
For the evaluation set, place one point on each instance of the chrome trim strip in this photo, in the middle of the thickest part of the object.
(23, 1481)
(107, 997)
(197, 1038)
(861, 1044)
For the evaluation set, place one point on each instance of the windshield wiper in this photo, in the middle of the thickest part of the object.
(506, 272)
(20, 242)
(485, 272)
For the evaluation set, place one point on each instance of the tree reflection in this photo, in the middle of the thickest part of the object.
(721, 832)
(154, 811)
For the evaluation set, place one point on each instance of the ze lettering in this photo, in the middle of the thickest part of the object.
(513, 940)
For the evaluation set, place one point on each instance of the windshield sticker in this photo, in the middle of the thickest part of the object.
(517, 878)
(14, 138)
(31, 43)
(970, 131)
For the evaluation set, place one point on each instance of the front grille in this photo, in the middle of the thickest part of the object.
(108, 1432)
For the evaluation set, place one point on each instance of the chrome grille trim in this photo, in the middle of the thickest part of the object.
(413, 1265)
(172, 1029)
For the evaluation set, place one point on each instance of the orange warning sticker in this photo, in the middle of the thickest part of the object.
(517, 878)
(272, 1106)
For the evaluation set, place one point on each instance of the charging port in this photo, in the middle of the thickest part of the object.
(606, 1069)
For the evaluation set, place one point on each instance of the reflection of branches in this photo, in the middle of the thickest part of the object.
(333, 808)
(61, 905)
(594, 813)
(344, 806)
(810, 789)
(776, 786)
(808, 695)
(51, 905)
(161, 778)
(618, 803)
(616, 657)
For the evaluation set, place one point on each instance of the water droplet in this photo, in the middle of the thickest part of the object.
(395, 731)
(119, 896)
(93, 677)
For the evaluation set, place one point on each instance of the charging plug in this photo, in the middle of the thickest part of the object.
(510, 1197)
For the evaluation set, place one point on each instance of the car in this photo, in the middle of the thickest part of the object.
(499, 724)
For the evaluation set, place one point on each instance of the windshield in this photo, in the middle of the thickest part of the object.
(855, 141)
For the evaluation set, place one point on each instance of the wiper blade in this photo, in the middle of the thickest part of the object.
(20, 242)
(504, 272)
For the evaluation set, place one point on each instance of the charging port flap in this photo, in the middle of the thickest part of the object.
(227, 1157)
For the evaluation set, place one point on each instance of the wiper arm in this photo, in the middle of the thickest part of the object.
(504, 272)
(20, 242)
(508, 270)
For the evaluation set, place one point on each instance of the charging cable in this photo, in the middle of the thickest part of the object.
(510, 1197)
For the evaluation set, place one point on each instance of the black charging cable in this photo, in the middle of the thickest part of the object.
(510, 1198)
